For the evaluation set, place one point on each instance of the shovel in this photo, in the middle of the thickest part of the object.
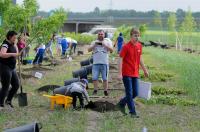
(22, 97)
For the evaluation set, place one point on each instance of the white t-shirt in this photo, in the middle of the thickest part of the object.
(100, 53)
(69, 40)
(74, 41)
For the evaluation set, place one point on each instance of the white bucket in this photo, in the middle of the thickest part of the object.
(144, 90)
(38, 75)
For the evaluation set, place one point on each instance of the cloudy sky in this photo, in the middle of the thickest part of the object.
(139, 5)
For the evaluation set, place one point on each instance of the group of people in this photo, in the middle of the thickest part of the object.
(64, 45)
(130, 61)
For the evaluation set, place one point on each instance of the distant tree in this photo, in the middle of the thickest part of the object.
(180, 13)
(171, 21)
(97, 10)
(143, 28)
(157, 19)
(189, 23)
(188, 26)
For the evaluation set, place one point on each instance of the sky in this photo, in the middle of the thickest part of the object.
(138, 5)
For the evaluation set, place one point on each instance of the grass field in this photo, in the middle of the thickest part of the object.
(168, 68)
(170, 38)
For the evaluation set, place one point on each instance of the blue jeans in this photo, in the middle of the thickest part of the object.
(98, 69)
(38, 58)
(74, 47)
(131, 85)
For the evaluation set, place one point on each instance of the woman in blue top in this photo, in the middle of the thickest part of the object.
(119, 42)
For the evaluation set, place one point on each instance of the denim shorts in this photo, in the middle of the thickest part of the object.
(98, 69)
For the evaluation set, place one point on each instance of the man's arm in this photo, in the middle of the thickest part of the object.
(120, 68)
(146, 73)
(90, 49)
(108, 46)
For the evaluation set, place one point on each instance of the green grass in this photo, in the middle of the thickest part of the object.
(170, 38)
(156, 117)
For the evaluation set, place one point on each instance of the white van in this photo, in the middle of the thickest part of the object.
(94, 31)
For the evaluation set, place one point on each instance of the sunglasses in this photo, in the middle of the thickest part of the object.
(100, 34)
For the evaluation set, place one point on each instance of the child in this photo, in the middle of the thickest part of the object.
(39, 55)
(77, 89)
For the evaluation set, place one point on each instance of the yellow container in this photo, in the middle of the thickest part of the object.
(59, 100)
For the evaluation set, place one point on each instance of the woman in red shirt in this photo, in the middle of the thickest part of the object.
(130, 61)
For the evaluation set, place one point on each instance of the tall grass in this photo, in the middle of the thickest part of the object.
(187, 66)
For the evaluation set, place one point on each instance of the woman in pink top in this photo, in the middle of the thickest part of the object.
(21, 45)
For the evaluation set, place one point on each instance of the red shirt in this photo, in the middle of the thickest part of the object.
(131, 59)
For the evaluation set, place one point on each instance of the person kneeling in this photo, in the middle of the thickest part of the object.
(75, 90)
(39, 55)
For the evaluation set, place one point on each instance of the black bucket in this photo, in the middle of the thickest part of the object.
(24, 62)
(88, 69)
(86, 62)
(22, 99)
(80, 53)
(61, 90)
(82, 73)
(33, 127)
(68, 82)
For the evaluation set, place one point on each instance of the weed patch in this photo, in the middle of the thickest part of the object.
(160, 90)
(158, 76)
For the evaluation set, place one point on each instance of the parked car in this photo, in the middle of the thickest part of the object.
(94, 31)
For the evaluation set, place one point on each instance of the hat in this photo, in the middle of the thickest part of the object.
(85, 81)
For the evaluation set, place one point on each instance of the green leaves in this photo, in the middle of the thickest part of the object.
(171, 21)
(31, 7)
(189, 24)
(47, 26)
(14, 18)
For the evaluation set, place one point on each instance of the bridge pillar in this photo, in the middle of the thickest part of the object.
(77, 25)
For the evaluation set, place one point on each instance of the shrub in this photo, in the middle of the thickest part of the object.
(159, 90)
(82, 39)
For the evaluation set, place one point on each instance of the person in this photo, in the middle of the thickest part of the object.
(21, 45)
(65, 43)
(130, 60)
(119, 42)
(27, 48)
(75, 90)
(49, 46)
(73, 45)
(58, 45)
(8, 54)
(39, 55)
(101, 48)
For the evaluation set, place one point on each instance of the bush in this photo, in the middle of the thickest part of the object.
(82, 39)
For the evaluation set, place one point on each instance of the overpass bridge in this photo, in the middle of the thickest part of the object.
(80, 25)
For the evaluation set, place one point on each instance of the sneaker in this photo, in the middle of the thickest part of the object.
(9, 105)
(121, 108)
(106, 93)
(1, 108)
(134, 116)
(94, 92)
